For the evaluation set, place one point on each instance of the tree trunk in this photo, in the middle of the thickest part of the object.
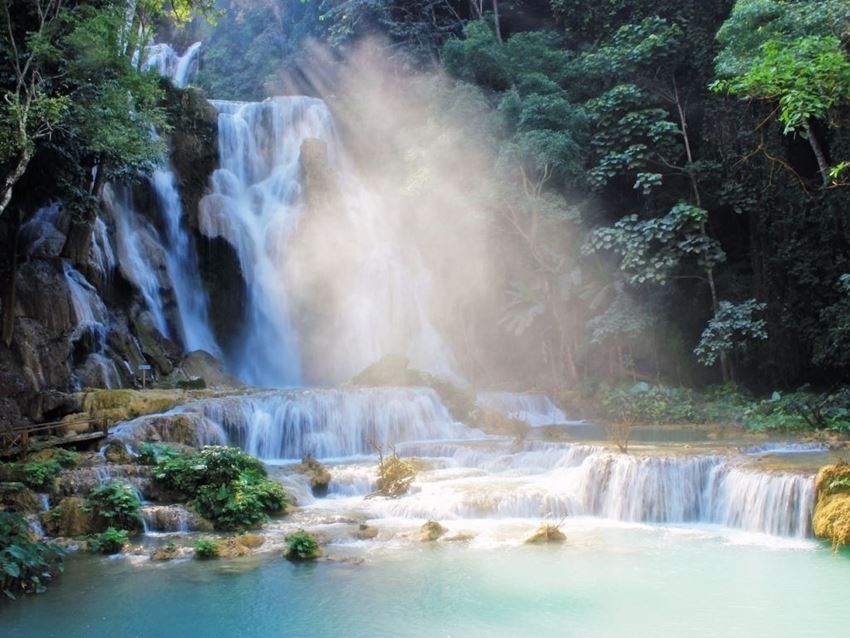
(12, 179)
(496, 20)
(10, 301)
(823, 165)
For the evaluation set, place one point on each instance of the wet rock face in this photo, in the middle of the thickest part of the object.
(174, 518)
(194, 146)
(318, 475)
(831, 519)
(69, 518)
(16, 497)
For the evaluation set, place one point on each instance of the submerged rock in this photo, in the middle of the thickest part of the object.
(458, 537)
(365, 532)
(547, 534)
(169, 551)
(431, 531)
(831, 519)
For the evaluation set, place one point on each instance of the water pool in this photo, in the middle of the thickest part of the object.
(636, 581)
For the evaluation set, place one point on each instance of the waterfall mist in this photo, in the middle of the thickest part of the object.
(358, 223)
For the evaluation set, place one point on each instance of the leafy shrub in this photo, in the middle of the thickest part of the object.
(801, 410)
(25, 564)
(227, 486)
(214, 465)
(206, 548)
(110, 541)
(115, 504)
(242, 503)
(644, 403)
(39, 475)
(152, 453)
(65, 458)
(302, 545)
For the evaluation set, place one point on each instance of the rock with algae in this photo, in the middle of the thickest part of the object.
(431, 531)
(317, 473)
(547, 533)
(831, 519)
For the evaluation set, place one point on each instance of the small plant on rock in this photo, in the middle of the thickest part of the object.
(39, 475)
(115, 504)
(110, 541)
(207, 548)
(302, 546)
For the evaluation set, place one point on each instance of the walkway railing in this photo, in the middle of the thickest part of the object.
(18, 440)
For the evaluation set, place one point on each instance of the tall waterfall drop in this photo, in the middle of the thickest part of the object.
(330, 290)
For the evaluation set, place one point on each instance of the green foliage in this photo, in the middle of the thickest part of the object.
(40, 475)
(808, 77)
(226, 485)
(302, 545)
(152, 453)
(110, 541)
(832, 342)
(26, 564)
(731, 329)
(115, 505)
(206, 548)
(801, 410)
(653, 249)
(652, 404)
(242, 503)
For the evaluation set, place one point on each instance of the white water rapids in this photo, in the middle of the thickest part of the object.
(470, 475)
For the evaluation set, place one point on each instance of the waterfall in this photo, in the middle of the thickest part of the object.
(537, 410)
(182, 263)
(178, 68)
(373, 295)
(91, 324)
(140, 251)
(333, 423)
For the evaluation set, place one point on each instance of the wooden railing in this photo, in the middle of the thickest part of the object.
(18, 439)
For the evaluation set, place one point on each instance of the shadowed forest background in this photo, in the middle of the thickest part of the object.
(657, 189)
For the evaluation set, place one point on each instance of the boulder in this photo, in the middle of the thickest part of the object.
(162, 352)
(68, 518)
(202, 365)
(547, 534)
(431, 531)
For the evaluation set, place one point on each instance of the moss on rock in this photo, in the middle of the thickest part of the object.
(831, 519)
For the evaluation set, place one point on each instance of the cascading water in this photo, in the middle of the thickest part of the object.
(473, 476)
(537, 410)
(182, 263)
(168, 63)
(332, 423)
(91, 317)
(142, 251)
(378, 296)
(139, 251)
